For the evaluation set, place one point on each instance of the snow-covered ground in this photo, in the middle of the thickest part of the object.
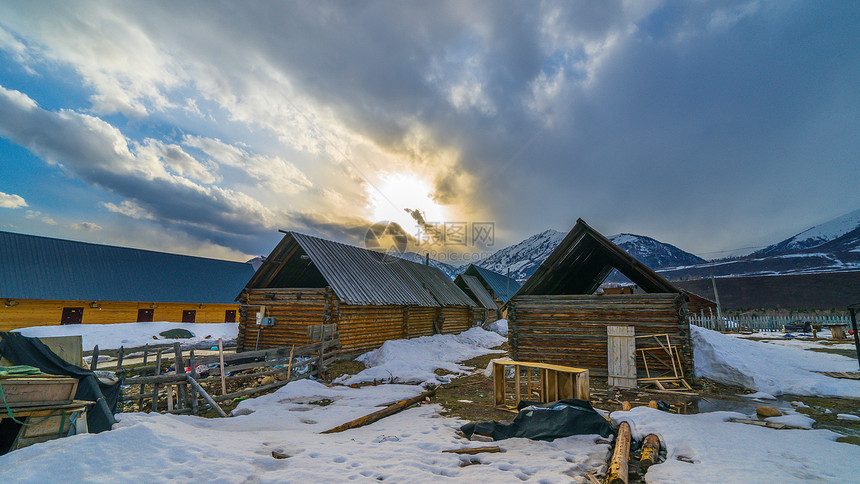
(707, 448)
(112, 336)
(770, 368)
(407, 447)
(415, 360)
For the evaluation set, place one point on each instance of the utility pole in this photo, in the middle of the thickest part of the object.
(719, 325)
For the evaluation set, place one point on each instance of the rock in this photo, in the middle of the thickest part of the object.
(767, 411)
(267, 380)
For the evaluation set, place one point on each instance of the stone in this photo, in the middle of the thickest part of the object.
(268, 380)
(767, 411)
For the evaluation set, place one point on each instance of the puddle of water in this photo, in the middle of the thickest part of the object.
(742, 405)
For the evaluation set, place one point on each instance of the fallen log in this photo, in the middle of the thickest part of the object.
(650, 452)
(474, 450)
(380, 414)
(618, 465)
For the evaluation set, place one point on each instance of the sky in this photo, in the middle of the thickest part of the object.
(205, 127)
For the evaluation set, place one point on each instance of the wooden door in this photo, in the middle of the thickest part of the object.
(144, 315)
(189, 315)
(72, 316)
(621, 353)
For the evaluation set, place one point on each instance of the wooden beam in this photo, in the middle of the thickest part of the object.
(618, 465)
(380, 414)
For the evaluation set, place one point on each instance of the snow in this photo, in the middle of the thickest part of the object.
(759, 396)
(405, 447)
(723, 451)
(827, 231)
(415, 360)
(848, 416)
(129, 335)
(500, 327)
(770, 368)
(796, 420)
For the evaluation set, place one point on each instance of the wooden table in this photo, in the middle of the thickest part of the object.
(552, 382)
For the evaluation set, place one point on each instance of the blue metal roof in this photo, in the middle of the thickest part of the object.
(503, 286)
(33, 267)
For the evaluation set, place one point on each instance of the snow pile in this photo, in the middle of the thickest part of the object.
(405, 447)
(769, 368)
(129, 335)
(415, 360)
(500, 326)
(723, 451)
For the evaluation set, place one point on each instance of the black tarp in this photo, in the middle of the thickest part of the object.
(546, 421)
(21, 350)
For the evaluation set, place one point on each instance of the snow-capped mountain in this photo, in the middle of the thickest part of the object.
(524, 258)
(815, 236)
(653, 253)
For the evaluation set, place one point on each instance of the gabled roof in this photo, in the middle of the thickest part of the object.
(501, 285)
(33, 267)
(357, 276)
(583, 260)
(473, 287)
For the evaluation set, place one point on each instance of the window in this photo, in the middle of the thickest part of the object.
(230, 316)
(189, 315)
(72, 316)
(144, 315)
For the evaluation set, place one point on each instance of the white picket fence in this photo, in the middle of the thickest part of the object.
(765, 323)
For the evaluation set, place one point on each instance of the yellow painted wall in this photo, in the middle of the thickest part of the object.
(35, 312)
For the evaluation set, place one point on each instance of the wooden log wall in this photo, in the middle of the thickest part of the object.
(456, 319)
(571, 330)
(293, 309)
(45, 312)
(364, 328)
(419, 321)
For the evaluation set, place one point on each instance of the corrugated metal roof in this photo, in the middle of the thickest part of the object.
(33, 267)
(484, 298)
(502, 285)
(363, 277)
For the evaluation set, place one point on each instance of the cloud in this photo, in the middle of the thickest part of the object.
(11, 201)
(86, 226)
(663, 118)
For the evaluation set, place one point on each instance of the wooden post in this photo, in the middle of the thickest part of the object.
(618, 465)
(650, 452)
(119, 358)
(196, 386)
(719, 309)
(289, 364)
(221, 362)
(179, 365)
(169, 398)
(156, 386)
(94, 361)
(193, 376)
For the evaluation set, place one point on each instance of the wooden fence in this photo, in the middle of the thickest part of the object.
(151, 384)
(765, 323)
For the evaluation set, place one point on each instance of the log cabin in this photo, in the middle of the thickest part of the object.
(490, 290)
(556, 316)
(48, 281)
(368, 297)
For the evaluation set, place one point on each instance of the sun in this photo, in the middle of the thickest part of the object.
(397, 192)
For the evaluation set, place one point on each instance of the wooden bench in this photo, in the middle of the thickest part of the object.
(551, 382)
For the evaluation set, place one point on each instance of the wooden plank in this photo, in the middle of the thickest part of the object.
(380, 414)
(474, 450)
(621, 356)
